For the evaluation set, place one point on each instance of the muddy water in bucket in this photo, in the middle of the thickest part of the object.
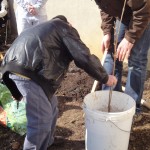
(108, 131)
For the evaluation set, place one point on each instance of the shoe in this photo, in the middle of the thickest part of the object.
(137, 117)
(58, 141)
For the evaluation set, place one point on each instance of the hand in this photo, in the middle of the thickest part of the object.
(112, 80)
(13, 98)
(106, 42)
(124, 49)
(17, 99)
(31, 9)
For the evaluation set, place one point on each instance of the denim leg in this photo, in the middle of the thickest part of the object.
(108, 65)
(41, 115)
(120, 31)
(109, 61)
(118, 74)
(137, 68)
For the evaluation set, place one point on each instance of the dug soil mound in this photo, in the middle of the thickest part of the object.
(70, 123)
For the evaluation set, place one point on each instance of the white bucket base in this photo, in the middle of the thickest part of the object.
(108, 131)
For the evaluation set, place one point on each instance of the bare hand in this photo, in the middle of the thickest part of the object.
(31, 10)
(13, 98)
(111, 80)
(124, 49)
(16, 99)
(105, 42)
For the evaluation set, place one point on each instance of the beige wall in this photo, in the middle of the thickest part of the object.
(82, 14)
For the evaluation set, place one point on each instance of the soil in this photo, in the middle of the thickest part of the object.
(70, 122)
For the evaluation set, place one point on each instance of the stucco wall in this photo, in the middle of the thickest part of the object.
(82, 14)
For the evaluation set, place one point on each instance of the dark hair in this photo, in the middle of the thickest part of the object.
(61, 17)
(98, 2)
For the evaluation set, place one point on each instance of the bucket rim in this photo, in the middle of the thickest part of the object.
(109, 116)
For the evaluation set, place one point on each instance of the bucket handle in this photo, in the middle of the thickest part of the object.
(119, 127)
(114, 125)
(109, 119)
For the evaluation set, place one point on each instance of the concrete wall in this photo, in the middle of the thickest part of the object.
(82, 14)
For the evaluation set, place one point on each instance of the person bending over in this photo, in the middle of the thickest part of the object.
(34, 67)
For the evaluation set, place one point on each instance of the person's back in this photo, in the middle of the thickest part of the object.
(43, 53)
(43, 41)
(41, 50)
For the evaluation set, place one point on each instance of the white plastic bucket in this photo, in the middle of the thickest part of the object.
(108, 131)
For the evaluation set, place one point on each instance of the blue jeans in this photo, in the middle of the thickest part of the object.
(137, 64)
(41, 114)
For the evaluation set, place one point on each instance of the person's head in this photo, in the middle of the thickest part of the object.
(62, 18)
(98, 2)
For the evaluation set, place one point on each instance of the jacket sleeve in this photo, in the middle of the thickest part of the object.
(3, 11)
(83, 58)
(39, 4)
(107, 22)
(139, 20)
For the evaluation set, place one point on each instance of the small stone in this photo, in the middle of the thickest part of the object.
(15, 145)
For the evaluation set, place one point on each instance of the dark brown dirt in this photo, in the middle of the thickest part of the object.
(70, 123)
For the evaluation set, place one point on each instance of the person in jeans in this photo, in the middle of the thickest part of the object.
(34, 67)
(133, 42)
(30, 13)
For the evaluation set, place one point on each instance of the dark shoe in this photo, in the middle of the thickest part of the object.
(58, 141)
